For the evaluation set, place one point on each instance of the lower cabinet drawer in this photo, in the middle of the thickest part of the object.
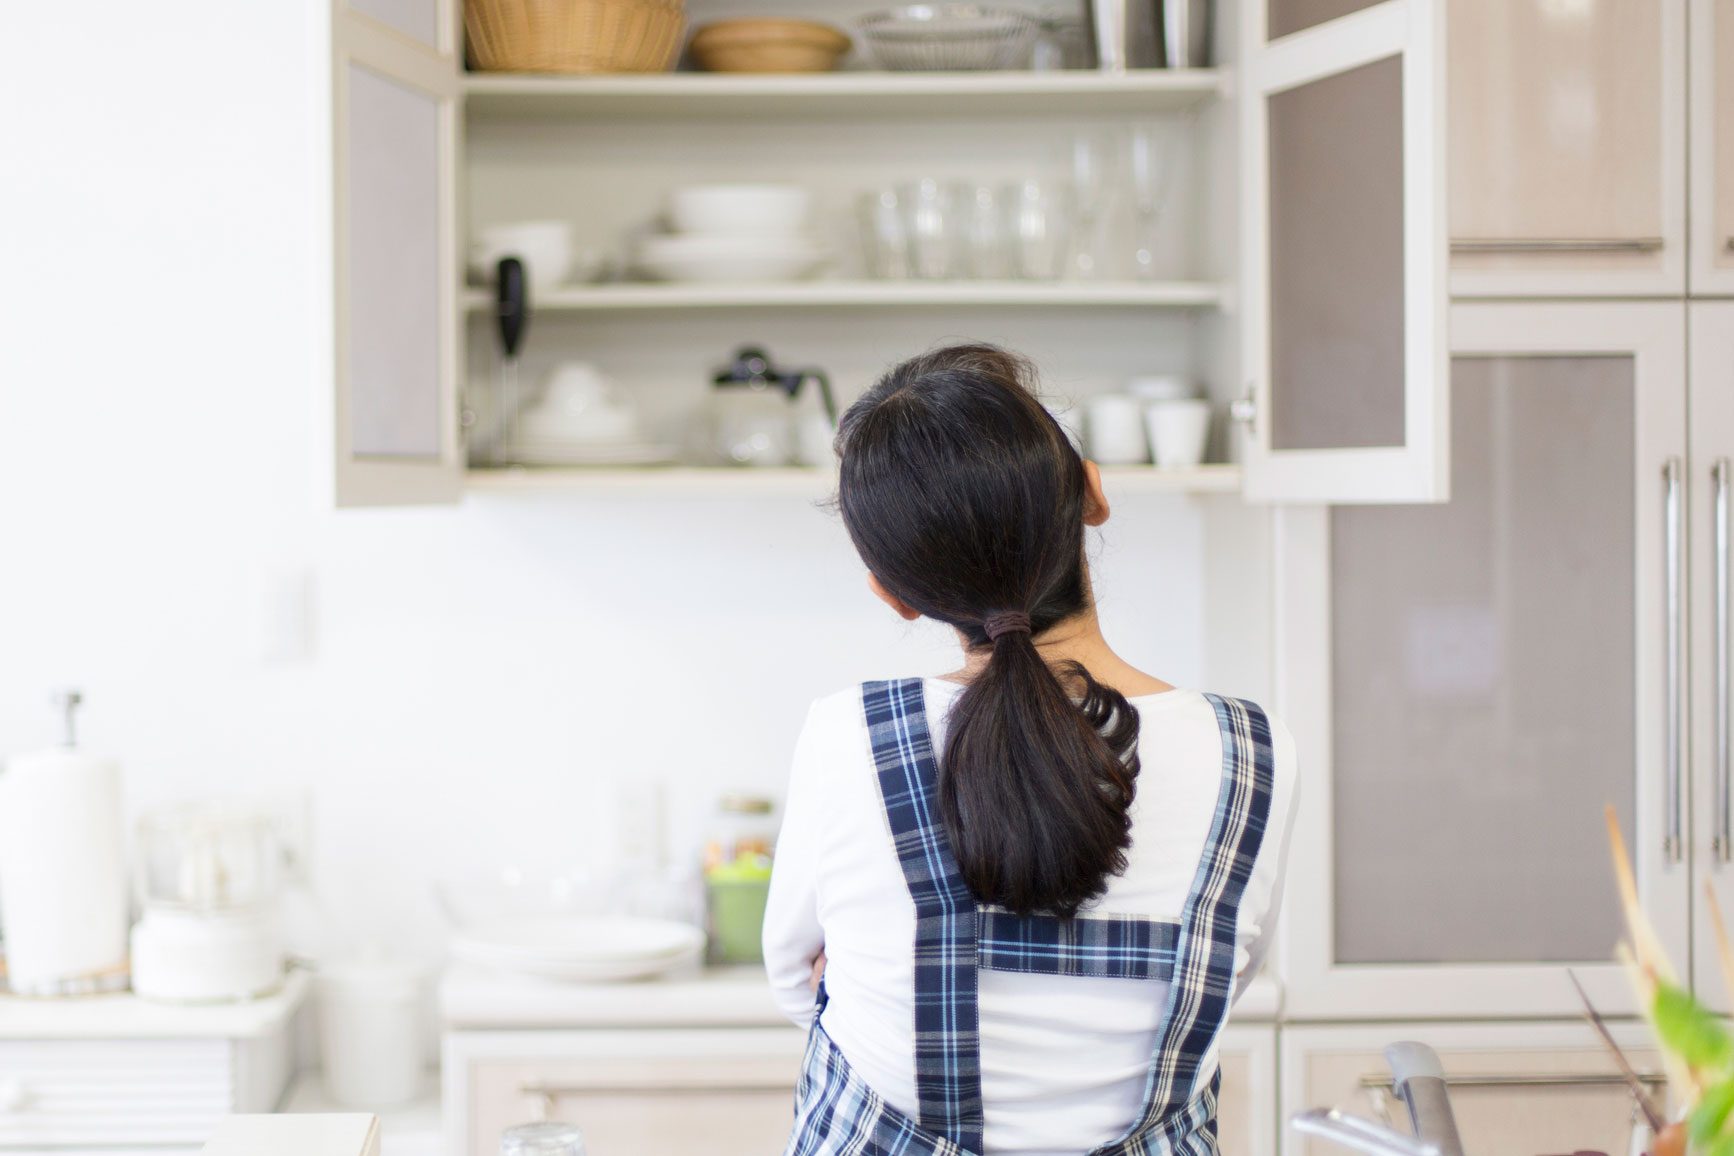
(1246, 1104)
(1516, 1089)
(724, 1092)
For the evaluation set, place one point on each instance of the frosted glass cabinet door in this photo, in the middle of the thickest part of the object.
(1712, 151)
(1492, 672)
(1343, 243)
(1711, 373)
(394, 142)
(1567, 156)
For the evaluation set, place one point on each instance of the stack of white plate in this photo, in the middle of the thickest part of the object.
(579, 949)
(734, 233)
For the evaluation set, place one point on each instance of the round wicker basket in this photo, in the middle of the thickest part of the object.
(573, 35)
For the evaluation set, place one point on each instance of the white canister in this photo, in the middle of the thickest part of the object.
(371, 1022)
(1179, 431)
(1161, 387)
(1115, 424)
(63, 879)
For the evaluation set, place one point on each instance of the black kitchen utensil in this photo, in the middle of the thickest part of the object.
(512, 314)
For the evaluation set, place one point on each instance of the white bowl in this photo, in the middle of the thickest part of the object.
(740, 210)
(545, 248)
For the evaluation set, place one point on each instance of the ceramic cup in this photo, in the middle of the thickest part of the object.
(1179, 431)
(1114, 423)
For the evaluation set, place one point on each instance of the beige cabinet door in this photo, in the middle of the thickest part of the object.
(724, 1092)
(1246, 1104)
(1517, 1089)
(1712, 151)
(395, 129)
(1567, 147)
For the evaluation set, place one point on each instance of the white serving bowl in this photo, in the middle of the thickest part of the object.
(545, 248)
(740, 210)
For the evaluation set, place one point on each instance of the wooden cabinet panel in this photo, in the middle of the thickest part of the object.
(1567, 156)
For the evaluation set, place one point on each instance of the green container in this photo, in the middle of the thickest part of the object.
(737, 893)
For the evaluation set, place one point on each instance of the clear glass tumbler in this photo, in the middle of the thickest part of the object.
(928, 218)
(884, 239)
(982, 221)
(1038, 214)
(547, 1138)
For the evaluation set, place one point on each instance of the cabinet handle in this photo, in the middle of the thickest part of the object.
(551, 1092)
(1729, 244)
(1722, 843)
(1557, 244)
(1673, 802)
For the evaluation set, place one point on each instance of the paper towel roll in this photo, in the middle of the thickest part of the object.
(63, 877)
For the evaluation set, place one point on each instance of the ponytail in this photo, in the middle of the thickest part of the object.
(965, 499)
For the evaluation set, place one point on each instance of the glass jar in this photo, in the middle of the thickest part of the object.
(547, 1138)
(207, 857)
(737, 877)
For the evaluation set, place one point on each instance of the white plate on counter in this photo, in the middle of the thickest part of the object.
(586, 950)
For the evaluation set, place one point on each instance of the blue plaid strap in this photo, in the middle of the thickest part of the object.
(1202, 986)
(1100, 946)
(947, 1018)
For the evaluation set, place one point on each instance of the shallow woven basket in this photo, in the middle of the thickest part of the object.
(573, 35)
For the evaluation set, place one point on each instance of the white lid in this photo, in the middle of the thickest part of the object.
(1162, 387)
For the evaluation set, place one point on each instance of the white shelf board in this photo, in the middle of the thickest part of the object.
(867, 295)
(862, 95)
(802, 482)
(123, 1015)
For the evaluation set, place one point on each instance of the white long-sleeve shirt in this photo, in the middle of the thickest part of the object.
(1063, 1058)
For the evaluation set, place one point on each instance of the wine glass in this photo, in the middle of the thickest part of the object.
(1152, 176)
(1089, 197)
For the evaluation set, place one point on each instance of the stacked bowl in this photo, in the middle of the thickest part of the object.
(734, 233)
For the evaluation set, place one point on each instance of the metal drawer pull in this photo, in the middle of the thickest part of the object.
(1729, 244)
(556, 1091)
(1558, 244)
(1555, 1080)
(1722, 842)
(1673, 839)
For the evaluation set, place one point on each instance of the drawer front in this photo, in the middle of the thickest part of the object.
(725, 1092)
(96, 1092)
(1559, 1093)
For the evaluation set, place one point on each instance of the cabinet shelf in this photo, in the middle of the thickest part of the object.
(867, 294)
(836, 95)
(803, 482)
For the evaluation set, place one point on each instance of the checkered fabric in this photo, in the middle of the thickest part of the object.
(837, 1114)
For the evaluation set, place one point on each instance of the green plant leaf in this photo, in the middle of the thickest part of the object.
(1721, 1146)
(1690, 1031)
(1711, 1113)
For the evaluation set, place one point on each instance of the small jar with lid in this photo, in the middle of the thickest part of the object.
(737, 876)
(546, 1138)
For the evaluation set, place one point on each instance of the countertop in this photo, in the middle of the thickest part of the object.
(126, 1016)
(474, 999)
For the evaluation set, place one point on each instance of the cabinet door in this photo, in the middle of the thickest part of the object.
(1567, 155)
(1516, 1089)
(1343, 249)
(1711, 373)
(1472, 683)
(1246, 1106)
(395, 140)
(725, 1091)
(1712, 151)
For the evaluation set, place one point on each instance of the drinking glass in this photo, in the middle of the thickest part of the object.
(1090, 189)
(884, 240)
(1038, 216)
(928, 220)
(1151, 162)
(982, 224)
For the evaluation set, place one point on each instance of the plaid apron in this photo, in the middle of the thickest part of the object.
(837, 1114)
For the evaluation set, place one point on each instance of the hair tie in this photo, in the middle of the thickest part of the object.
(1006, 622)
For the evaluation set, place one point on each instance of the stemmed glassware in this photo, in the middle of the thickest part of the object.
(1151, 171)
(1089, 199)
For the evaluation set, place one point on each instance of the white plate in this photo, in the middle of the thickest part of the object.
(606, 971)
(553, 453)
(566, 942)
(759, 267)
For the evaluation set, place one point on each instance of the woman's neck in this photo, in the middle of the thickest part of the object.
(1076, 639)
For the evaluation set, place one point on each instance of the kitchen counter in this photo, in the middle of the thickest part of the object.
(473, 999)
(124, 1016)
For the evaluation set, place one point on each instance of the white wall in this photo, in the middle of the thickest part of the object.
(480, 676)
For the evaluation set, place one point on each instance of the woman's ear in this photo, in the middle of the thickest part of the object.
(905, 611)
(1095, 501)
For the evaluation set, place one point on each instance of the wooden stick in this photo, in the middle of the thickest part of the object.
(1645, 943)
(1639, 1092)
(1724, 952)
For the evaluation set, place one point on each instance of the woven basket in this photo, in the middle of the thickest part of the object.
(573, 35)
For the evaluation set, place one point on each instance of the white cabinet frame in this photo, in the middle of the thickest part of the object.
(1317, 988)
(1712, 240)
(358, 480)
(1710, 370)
(1416, 471)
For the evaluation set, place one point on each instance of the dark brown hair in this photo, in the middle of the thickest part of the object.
(966, 500)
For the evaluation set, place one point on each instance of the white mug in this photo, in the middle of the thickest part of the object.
(1179, 430)
(1115, 425)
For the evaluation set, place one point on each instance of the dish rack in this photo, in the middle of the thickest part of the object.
(948, 38)
(574, 35)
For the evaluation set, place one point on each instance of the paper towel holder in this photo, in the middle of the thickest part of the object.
(68, 701)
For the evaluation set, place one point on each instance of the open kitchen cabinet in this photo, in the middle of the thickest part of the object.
(1234, 304)
(1471, 683)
